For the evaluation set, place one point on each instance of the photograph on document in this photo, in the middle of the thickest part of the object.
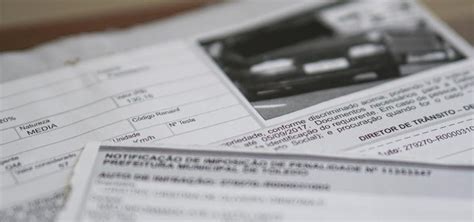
(326, 52)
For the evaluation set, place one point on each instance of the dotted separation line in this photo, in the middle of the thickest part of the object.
(416, 135)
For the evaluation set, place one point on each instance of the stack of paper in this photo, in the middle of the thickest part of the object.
(334, 110)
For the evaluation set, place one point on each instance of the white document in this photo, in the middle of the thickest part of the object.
(142, 96)
(166, 183)
(212, 88)
(425, 118)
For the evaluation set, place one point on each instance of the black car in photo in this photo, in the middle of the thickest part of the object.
(306, 53)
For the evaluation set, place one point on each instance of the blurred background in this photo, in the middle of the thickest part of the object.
(27, 23)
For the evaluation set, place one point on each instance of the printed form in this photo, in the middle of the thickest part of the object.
(47, 119)
(145, 183)
(400, 86)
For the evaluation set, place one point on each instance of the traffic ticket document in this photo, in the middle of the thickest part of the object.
(374, 78)
(165, 183)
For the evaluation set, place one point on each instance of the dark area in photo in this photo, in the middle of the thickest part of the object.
(327, 52)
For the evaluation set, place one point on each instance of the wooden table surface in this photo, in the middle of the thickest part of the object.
(27, 23)
(458, 14)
